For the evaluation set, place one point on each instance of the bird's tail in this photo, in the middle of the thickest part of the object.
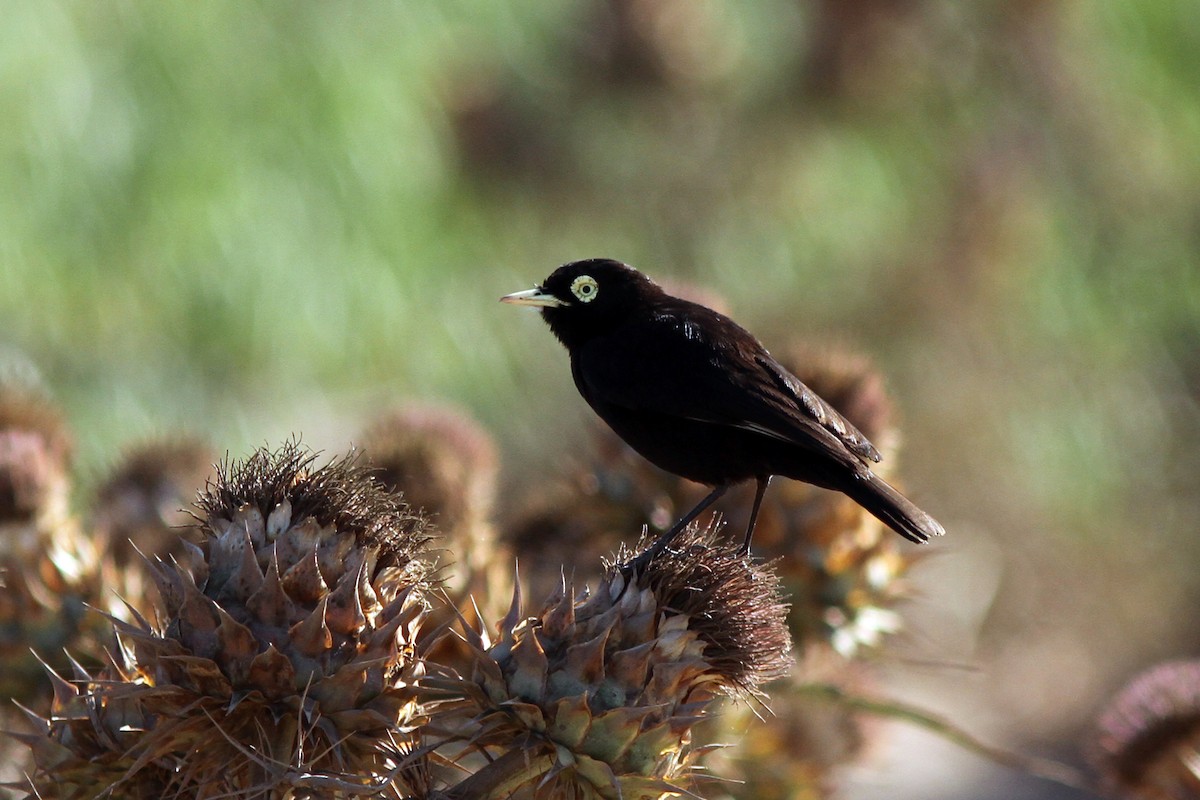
(893, 509)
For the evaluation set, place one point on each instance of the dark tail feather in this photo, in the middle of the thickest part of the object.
(893, 509)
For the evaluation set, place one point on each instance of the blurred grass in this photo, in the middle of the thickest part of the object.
(249, 219)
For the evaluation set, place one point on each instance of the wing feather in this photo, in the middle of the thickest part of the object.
(667, 363)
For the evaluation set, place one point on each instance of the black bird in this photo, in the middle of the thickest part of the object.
(697, 395)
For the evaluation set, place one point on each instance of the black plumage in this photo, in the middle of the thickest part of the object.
(697, 395)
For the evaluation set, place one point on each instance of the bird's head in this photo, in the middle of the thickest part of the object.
(584, 298)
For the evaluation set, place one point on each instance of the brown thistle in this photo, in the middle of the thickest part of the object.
(35, 456)
(140, 506)
(284, 661)
(445, 464)
(596, 696)
(51, 570)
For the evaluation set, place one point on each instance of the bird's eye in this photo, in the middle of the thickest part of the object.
(585, 288)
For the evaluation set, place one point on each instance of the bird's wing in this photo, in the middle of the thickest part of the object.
(811, 405)
(699, 365)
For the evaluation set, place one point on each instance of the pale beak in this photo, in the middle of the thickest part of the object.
(532, 297)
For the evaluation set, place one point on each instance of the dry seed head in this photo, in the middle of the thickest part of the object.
(1147, 741)
(50, 569)
(732, 604)
(444, 464)
(599, 693)
(141, 503)
(286, 651)
(441, 459)
(340, 497)
(35, 455)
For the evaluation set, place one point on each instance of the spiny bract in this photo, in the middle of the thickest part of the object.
(596, 696)
(284, 663)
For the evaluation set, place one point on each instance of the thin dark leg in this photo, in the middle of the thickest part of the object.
(670, 535)
(763, 482)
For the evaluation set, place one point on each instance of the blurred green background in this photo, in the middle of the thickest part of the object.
(245, 220)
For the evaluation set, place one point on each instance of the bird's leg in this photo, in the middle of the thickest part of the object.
(670, 535)
(763, 482)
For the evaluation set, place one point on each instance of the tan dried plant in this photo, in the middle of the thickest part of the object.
(283, 663)
(51, 570)
(596, 696)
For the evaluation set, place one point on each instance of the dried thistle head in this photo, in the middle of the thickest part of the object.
(596, 696)
(50, 569)
(444, 464)
(284, 659)
(1147, 742)
(732, 605)
(35, 455)
(441, 459)
(341, 498)
(141, 505)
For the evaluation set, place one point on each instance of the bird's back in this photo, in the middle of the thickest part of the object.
(689, 381)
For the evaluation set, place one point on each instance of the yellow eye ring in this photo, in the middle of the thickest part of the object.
(585, 288)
